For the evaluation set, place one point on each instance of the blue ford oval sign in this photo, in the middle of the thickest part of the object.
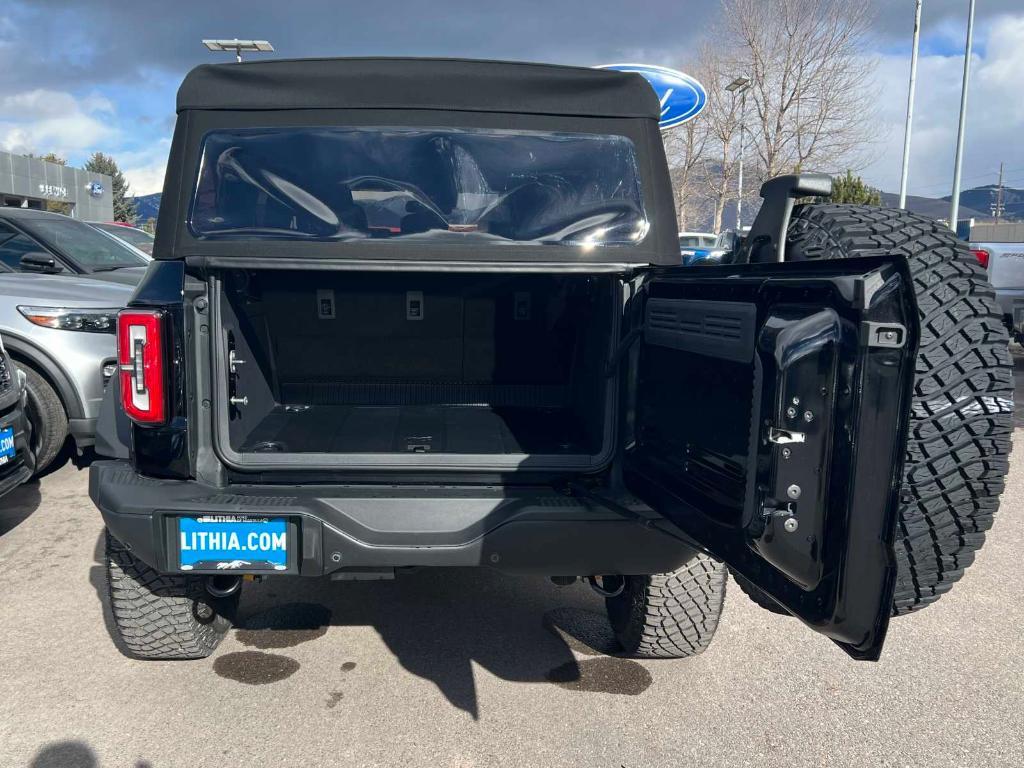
(681, 96)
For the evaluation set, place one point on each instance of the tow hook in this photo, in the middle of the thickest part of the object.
(223, 586)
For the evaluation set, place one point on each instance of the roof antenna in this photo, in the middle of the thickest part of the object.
(237, 46)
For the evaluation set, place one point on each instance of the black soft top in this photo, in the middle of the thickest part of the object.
(410, 83)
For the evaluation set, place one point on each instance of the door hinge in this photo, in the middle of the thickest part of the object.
(234, 362)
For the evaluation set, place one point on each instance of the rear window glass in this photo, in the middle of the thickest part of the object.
(447, 184)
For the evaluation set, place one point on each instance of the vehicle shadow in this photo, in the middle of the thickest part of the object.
(68, 454)
(438, 623)
(18, 505)
(441, 622)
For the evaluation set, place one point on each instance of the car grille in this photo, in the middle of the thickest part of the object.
(6, 374)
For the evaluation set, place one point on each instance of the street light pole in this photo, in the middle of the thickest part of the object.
(739, 175)
(740, 85)
(910, 106)
(954, 208)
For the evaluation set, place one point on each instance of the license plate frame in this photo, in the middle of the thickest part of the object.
(8, 449)
(193, 554)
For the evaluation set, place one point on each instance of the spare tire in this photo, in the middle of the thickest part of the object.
(961, 414)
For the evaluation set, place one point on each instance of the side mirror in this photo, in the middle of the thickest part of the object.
(39, 261)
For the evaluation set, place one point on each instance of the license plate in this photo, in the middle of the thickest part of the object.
(6, 445)
(226, 542)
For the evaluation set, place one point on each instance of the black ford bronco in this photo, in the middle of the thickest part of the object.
(410, 313)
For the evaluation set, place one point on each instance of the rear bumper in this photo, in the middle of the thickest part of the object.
(13, 478)
(530, 530)
(19, 469)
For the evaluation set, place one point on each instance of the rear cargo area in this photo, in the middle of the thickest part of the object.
(494, 369)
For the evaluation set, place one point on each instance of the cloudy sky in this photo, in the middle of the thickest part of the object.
(101, 74)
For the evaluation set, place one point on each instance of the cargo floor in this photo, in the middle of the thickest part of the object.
(418, 428)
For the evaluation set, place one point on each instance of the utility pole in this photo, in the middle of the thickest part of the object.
(997, 211)
(740, 85)
(739, 174)
(954, 208)
(910, 106)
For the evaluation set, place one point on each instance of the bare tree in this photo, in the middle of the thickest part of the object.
(808, 106)
(685, 146)
(722, 120)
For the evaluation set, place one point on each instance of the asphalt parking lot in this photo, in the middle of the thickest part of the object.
(458, 668)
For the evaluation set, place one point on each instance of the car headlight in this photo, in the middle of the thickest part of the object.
(72, 319)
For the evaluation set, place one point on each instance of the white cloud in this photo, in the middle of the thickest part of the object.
(145, 169)
(995, 114)
(41, 121)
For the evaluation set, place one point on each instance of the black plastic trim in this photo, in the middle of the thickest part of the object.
(533, 530)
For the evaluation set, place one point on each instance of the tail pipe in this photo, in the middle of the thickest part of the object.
(223, 586)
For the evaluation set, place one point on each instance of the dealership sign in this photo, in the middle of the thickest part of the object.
(95, 188)
(52, 190)
(681, 96)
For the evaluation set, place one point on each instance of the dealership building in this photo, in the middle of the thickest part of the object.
(28, 182)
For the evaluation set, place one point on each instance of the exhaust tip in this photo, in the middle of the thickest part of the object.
(223, 586)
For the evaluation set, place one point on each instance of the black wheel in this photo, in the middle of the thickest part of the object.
(163, 617)
(668, 615)
(961, 415)
(48, 418)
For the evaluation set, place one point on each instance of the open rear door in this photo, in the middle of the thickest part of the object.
(771, 411)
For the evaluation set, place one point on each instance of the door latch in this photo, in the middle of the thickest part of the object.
(786, 512)
(889, 335)
(783, 436)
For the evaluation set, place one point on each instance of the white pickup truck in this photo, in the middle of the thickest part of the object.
(1005, 265)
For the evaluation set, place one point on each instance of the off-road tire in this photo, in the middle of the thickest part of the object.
(48, 417)
(163, 617)
(961, 415)
(669, 615)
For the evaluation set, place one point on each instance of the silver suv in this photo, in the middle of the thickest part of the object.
(60, 330)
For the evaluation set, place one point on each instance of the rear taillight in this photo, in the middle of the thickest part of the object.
(140, 360)
(981, 255)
